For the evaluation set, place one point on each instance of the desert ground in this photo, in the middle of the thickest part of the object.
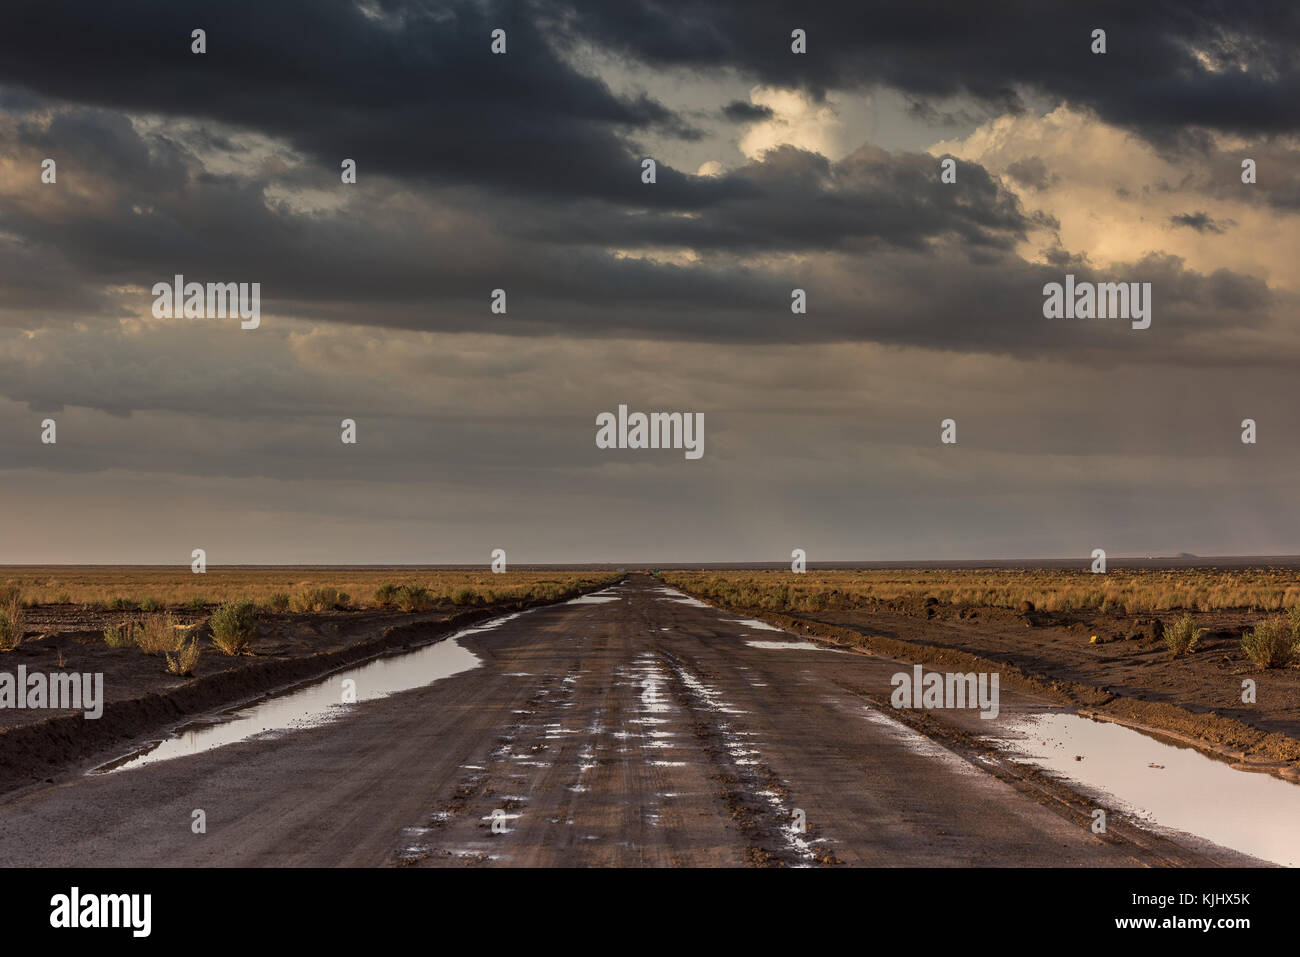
(651, 717)
(1103, 642)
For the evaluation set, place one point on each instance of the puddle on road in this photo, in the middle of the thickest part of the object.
(792, 646)
(753, 623)
(595, 598)
(680, 598)
(1250, 812)
(318, 703)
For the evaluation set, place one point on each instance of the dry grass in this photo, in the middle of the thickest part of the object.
(184, 658)
(128, 589)
(157, 634)
(318, 599)
(1128, 591)
(12, 619)
(413, 598)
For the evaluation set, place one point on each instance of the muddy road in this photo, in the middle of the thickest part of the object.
(629, 727)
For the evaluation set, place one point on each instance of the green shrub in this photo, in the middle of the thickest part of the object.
(120, 636)
(1182, 635)
(413, 598)
(234, 625)
(386, 594)
(150, 605)
(1271, 643)
(197, 604)
(278, 602)
(464, 596)
(119, 604)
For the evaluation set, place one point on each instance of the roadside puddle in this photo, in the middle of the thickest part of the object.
(595, 598)
(791, 646)
(754, 623)
(316, 704)
(1164, 785)
(680, 598)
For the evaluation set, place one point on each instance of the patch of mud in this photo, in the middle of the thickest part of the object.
(755, 795)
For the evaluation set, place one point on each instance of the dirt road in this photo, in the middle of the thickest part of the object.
(631, 727)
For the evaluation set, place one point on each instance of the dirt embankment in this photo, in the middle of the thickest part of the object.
(141, 698)
(1127, 674)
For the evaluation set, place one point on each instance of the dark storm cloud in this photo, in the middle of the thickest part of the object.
(414, 90)
(527, 184)
(415, 94)
(1202, 222)
(1277, 170)
(901, 258)
(738, 111)
(36, 279)
(929, 113)
(796, 200)
(995, 306)
(1149, 80)
(159, 213)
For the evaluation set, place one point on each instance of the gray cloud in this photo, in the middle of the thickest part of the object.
(1202, 222)
(1032, 171)
(741, 112)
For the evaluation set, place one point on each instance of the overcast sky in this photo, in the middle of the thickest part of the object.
(523, 172)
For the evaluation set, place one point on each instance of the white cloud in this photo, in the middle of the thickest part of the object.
(796, 120)
(1114, 195)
